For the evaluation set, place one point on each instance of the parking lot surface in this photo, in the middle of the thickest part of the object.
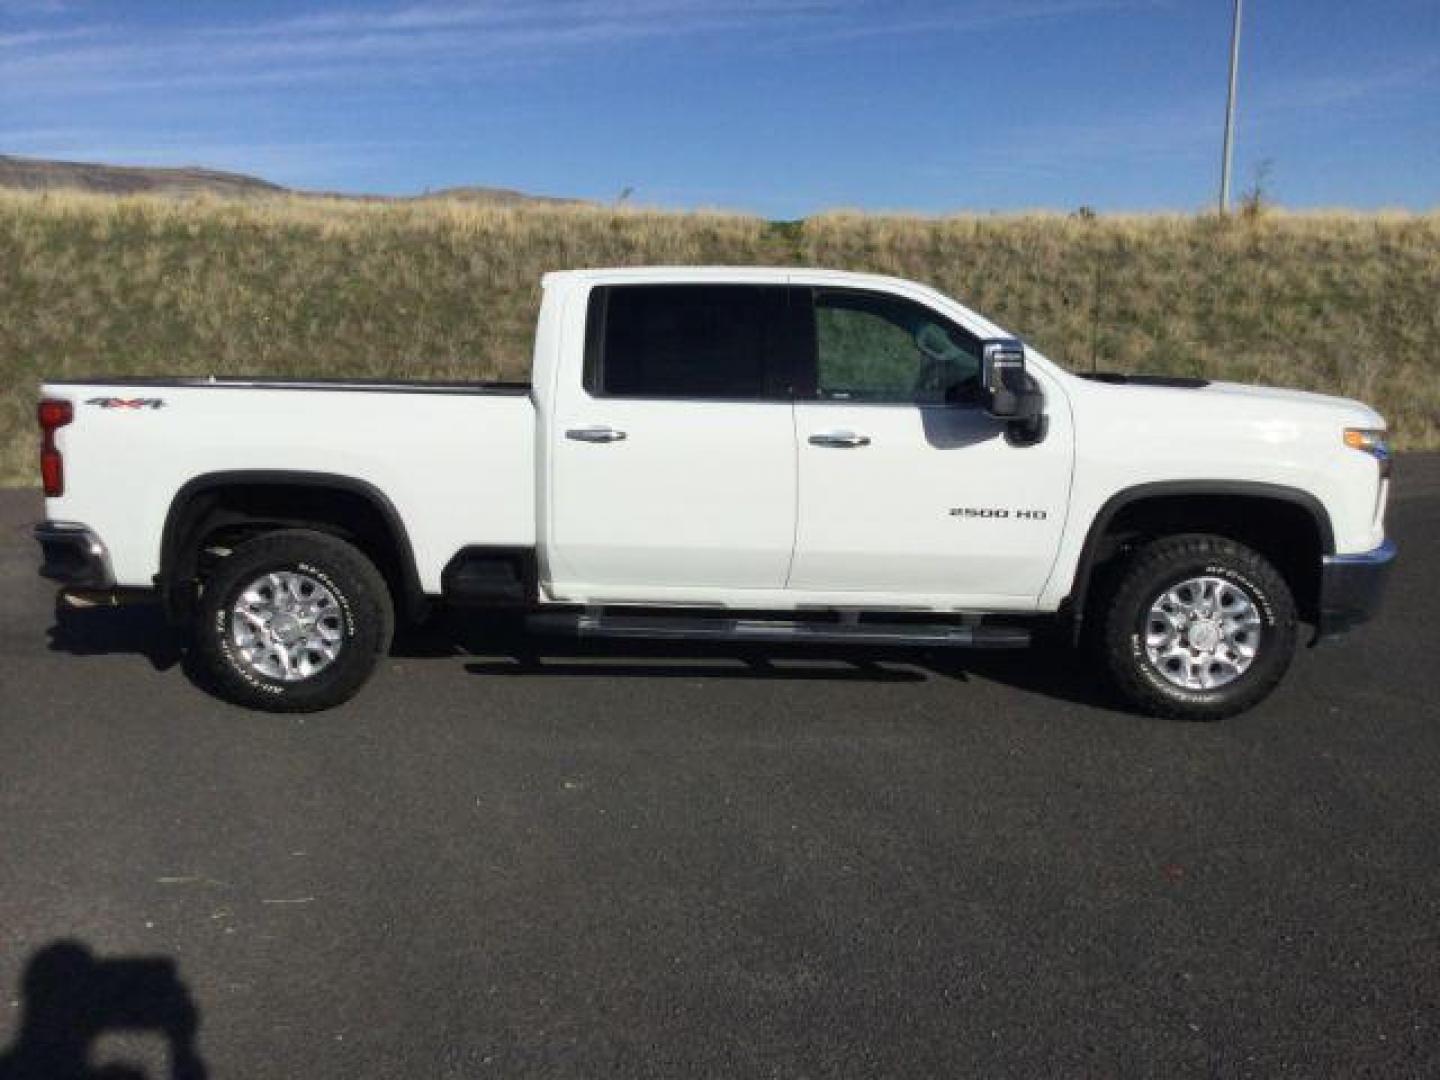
(512, 857)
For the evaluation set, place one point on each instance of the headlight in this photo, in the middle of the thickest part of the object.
(1372, 441)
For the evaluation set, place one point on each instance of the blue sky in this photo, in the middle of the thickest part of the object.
(781, 107)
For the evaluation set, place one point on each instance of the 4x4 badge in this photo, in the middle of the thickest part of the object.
(127, 403)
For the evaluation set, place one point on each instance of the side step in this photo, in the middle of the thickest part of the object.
(678, 628)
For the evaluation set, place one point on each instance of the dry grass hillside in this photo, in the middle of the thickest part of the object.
(89, 284)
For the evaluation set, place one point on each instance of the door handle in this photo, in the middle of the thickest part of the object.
(595, 434)
(842, 439)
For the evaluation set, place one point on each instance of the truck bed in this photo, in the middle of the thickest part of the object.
(455, 460)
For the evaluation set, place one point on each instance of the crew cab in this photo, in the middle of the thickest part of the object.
(735, 454)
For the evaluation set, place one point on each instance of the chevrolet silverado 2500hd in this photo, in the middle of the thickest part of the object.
(735, 454)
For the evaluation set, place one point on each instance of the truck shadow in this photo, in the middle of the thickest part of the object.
(74, 1000)
(505, 651)
(1034, 671)
(498, 647)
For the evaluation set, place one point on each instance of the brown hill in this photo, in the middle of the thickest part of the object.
(35, 174)
(497, 196)
(38, 174)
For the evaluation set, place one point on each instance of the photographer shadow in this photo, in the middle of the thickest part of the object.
(96, 630)
(73, 999)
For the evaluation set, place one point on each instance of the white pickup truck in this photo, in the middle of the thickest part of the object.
(734, 454)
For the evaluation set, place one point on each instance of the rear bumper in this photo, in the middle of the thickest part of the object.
(73, 555)
(1351, 587)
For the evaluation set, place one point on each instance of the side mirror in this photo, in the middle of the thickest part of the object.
(1009, 393)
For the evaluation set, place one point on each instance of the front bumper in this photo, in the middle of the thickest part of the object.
(73, 555)
(1351, 587)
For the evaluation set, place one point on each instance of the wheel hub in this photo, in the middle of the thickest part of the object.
(1202, 633)
(286, 626)
(286, 629)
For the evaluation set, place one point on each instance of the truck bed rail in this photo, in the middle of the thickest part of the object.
(277, 382)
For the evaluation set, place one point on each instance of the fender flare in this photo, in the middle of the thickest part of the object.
(1252, 489)
(189, 504)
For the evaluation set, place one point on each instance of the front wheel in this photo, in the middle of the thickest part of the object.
(1196, 627)
(292, 621)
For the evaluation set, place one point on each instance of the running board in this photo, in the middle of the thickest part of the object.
(673, 628)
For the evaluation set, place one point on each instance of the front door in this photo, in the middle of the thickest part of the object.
(673, 466)
(906, 487)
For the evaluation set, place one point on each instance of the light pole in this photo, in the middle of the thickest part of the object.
(1230, 111)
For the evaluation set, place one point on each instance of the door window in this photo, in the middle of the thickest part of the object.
(718, 342)
(872, 347)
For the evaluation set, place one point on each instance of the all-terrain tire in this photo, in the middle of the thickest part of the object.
(361, 624)
(1121, 623)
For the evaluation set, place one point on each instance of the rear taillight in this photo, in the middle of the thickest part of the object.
(53, 415)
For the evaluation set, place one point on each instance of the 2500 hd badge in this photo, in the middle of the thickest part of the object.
(997, 512)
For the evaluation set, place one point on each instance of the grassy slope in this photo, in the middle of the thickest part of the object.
(90, 284)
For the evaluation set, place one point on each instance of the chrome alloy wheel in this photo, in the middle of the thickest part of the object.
(1202, 633)
(286, 626)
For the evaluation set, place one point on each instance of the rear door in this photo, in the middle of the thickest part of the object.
(906, 486)
(673, 461)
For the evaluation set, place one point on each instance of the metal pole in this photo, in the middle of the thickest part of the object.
(1230, 112)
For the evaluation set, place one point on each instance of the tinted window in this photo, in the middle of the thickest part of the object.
(874, 347)
(687, 341)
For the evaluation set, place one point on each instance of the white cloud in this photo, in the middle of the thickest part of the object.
(26, 8)
(441, 41)
(29, 38)
(979, 16)
(1152, 134)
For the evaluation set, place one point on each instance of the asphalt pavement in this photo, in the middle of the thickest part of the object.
(511, 858)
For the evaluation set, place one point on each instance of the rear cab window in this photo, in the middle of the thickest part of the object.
(690, 341)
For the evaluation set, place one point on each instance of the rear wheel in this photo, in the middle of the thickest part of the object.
(1196, 627)
(292, 621)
